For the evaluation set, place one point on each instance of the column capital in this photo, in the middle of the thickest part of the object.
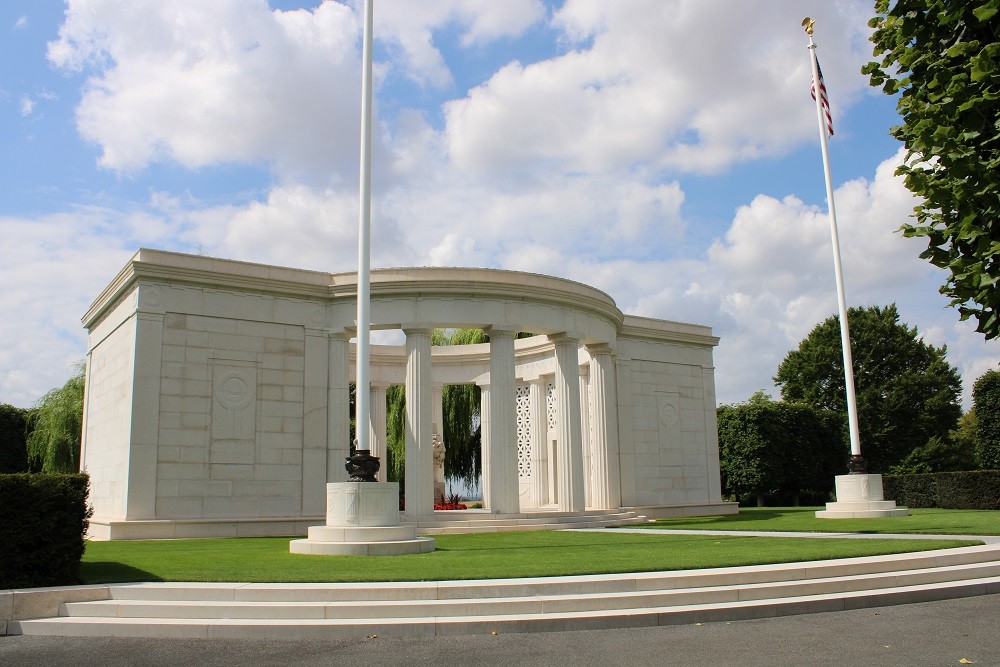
(339, 334)
(595, 349)
(418, 329)
(501, 329)
(565, 337)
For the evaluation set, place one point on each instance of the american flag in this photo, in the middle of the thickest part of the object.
(824, 101)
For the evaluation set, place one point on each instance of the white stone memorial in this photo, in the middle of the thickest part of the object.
(860, 497)
(362, 519)
(217, 396)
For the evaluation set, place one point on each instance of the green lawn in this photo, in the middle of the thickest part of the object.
(803, 519)
(477, 556)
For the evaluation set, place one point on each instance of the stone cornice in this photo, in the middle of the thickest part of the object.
(207, 272)
(158, 266)
(649, 329)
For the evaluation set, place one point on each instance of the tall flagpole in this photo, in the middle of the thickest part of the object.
(857, 463)
(362, 465)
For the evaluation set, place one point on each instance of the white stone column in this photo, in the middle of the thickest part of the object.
(419, 454)
(586, 444)
(376, 430)
(538, 424)
(338, 410)
(604, 412)
(503, 421)
(484, 442)
(315, 422)
(569, 475)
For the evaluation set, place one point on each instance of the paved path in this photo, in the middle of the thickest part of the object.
(928, 633)
(985, 539)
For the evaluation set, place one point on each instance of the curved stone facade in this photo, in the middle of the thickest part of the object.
(217, 395)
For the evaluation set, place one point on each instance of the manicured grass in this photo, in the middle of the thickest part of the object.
(478, 556)
(803, 519)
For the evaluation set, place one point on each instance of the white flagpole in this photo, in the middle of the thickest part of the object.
(362, 386)
(845, 336)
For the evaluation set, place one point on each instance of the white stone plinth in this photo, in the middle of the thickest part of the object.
(860, 497)
(362, 519)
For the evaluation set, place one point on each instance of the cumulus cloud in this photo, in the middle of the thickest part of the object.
(206, 83)
(411, 26)
(53, 267)
(690, 85)
(769, 280)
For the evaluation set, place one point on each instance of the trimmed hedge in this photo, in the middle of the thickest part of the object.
(970, 490)
(13, 436)
(41, 534)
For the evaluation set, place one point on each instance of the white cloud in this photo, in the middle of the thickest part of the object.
(411, 26)
(204, 83)
(21, 23)
(53, 267)
(769, 281)
(27, 106)
(689, 85)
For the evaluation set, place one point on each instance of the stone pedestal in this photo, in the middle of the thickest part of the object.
(860, 497)
(362, 519)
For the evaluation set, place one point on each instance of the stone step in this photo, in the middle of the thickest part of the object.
(293, 629)
(443, 523)
(290, 611)
(546, 586)
(576, 602)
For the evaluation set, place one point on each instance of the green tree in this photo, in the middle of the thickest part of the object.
(57, 423)
(769, 448)
(906, 391)
(941, 58)
(462, 436)
(13, 437)
(986, 404)
(461, 407)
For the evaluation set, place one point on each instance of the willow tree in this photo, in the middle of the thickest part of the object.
(57, 427)
(460, 404)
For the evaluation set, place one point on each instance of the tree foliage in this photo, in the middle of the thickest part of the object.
(906, 391)
(461, 408)
(768, 447)
(57, 423)
(941, 58)
(986, 404)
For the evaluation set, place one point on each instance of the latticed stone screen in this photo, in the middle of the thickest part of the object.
(550, 404)
(523, 398)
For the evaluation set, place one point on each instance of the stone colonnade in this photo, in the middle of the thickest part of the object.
(572, 477)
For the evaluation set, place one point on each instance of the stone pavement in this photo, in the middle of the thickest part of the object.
(927, 633)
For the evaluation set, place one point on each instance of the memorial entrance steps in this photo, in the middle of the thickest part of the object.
(352, 610)
(473, 521)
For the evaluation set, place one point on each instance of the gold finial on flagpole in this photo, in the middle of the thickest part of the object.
(808, 24)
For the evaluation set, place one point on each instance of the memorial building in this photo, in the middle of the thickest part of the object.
(217, 397)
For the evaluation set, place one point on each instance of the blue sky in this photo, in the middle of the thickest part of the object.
(665, 151)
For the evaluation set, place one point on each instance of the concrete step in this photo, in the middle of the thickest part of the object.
(576, 602)
(472, 521)
(290, 611)
(292, 629)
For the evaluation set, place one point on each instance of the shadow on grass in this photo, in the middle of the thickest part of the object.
(109, 572)
(744, 515)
